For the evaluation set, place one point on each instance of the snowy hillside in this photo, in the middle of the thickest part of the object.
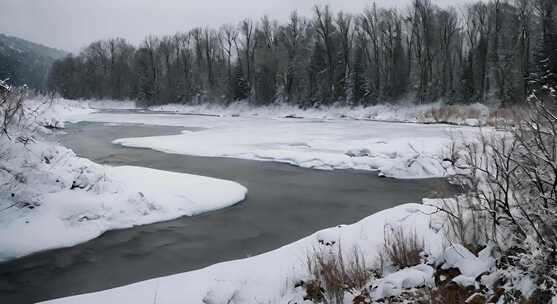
(24, 62)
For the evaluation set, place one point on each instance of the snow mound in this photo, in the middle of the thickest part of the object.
(53, 113)
(46, 185)
(470, 265)
(394, 283)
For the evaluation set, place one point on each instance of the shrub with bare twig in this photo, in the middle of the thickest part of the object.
(510, 178)
(403, 248)
(332, 276)
(11, 106)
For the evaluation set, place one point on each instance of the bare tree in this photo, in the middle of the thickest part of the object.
(369, 22)
(346, 34)
(326, 30)
(228, 38)
(247, 28)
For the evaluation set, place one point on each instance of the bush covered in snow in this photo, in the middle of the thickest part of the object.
(510, 201)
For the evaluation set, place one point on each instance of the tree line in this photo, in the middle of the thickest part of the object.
(483, 52)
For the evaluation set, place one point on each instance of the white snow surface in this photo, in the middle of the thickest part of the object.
(471, 115)
(53, 113)
(111, 104)
(270, 277)
(394, 283)
(401, 150)
(469, 264)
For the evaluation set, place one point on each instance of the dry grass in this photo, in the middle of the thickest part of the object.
(334, 276)
(452, 113)
(458, 114)
(403, 249)
(449, 294)
(503, 117)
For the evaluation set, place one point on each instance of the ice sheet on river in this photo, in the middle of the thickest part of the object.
(398, 150)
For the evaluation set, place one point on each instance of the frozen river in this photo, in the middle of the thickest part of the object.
(284, 203)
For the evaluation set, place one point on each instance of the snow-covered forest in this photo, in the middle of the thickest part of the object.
(481, 52)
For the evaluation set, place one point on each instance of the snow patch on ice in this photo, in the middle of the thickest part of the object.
(393, 149)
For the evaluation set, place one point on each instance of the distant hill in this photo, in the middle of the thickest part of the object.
(25, 62)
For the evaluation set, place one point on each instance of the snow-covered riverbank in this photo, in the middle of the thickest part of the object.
(272, 277)
(269, 277)
(51, 198)
(471, 115)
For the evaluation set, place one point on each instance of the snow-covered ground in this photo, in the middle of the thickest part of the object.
(401, 150)
(271, 277)
(472, 115)
(51, 198)
(111, 104)
(53, 113)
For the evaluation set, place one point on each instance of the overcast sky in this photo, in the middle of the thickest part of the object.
(72, 24)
